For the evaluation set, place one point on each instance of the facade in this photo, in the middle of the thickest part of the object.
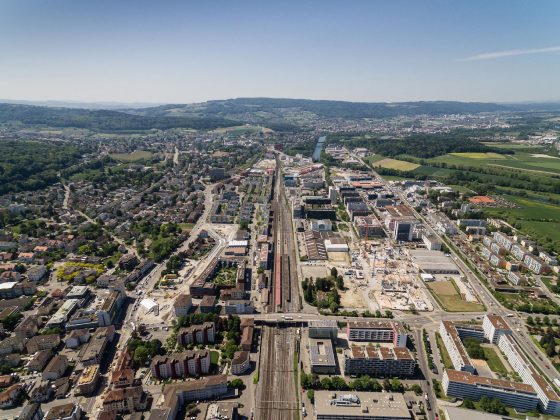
(126, 400)
(182, 305)
(377, 331)
(42, 342)
(240, 363)
(321, 225)
(323, 328)
(94, 351)
(196, 334)
(56, 368)
(455, 348)
(494, 326)
(549, 402)
(64, 412)
(379, 361)
(466, 385)
(88, 380)
(369, 227)
(181, 365)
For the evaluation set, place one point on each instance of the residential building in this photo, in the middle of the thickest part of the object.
(182, 305)
(379, 361)
(240, 363)
(42, 342)
(455, 348)
(28, 327)
(466, 385)
(87, 383)
(11, 396)
(126, 400)
(196, 334)
(56, 368)
(93, 352)
(39, 361)
(31, 411)
(181, 365)
(377, 331)
(494, 326)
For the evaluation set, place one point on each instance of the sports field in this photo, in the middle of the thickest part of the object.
(450, 300)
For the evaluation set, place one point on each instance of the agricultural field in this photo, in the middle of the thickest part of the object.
(133, 156)
(400, 165)
(445, 292)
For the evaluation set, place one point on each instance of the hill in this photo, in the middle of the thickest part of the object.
(103, 120)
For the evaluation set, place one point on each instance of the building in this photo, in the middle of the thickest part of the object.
(240, 363)
(31, 412)
(549, 402)
(321, 356)
(42, 342)
(494, 326)
(176, 396)
(323, 328)
(433, 262)
(379, 361)
(335, 244)
(360, 406)
(207, 304)
(76, 338)
(181, 365)
(63, 314)
(28, 327)
(432, 242)
(109, 309)
(456, 413)
(94, 351)
(369, 227)
(182, 305)
(466, 385)
(126, 400)
(39, 361)
(11, 396)
(388, 331)
(88, 380)
(247, 338)
(56, 368)
(455, 348)
(535, 264)
(321, 225)
(196, 334)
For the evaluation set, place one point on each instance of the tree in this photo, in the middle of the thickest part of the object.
(338, 383)
(339, 283)
(417, 389)
(237, 383)
(334, 272)
(530, 321)
(468, 404)
(326, 383)
(386, 384)
(396, 385)
(546, 320)
(311, 395)
(141, 356)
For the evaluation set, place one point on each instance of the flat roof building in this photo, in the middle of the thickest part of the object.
(360, 406)
(321, 356)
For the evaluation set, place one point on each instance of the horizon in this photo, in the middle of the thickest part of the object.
(188, 52)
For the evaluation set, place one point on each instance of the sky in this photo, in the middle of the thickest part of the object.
(191, 51)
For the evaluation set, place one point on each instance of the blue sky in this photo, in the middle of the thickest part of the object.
(187, 51)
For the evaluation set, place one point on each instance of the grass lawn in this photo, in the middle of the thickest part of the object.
(451, 301)
(214, 357)
(186, 226)
(131, 157)
(400, 165)
(474, 155)
(447, 363)
(494, 361)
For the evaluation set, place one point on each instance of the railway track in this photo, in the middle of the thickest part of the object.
(276, 395)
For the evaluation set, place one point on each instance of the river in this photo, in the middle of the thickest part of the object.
(318, 149)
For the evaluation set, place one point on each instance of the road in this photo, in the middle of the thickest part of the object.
(423, 365)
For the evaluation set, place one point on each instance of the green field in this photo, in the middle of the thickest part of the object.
(400, 165)
(494, 362)
(475, 155)
(446, 360)
(450, 300)
(132, 157)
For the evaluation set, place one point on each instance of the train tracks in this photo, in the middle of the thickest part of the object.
(276, 396)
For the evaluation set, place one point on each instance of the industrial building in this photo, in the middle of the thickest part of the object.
(360, 406)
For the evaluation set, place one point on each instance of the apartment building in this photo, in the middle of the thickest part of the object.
(494, 326)
(535, 264)
(549, 402)
(377, 331)
(379, 361)
(197, 334)
(466, 385)
(455, 348)
(181, 365)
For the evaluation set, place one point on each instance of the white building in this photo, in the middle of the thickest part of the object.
(455, 348)
(494, 326)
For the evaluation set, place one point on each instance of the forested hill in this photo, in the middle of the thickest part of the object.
(241, 108)
(103, 120)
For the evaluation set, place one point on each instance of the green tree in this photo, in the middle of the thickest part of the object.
(141, 356)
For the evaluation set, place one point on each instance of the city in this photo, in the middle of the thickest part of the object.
(279, 210)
